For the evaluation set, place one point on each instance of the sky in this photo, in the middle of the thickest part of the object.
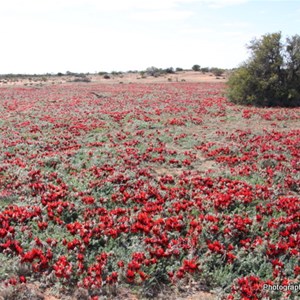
(51, 36)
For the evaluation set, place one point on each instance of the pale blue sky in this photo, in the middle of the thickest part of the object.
(40, 36)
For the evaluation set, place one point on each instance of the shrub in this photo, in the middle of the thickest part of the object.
(115, 73)
(217, 71)
(204, 70)
(82, 79)
(153, 71)
(196, 68)
(169, 70)
(271, 76)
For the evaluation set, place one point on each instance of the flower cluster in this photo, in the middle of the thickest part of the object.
(153, 183)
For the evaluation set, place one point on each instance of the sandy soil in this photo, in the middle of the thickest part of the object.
(31, 291)
(184, 76)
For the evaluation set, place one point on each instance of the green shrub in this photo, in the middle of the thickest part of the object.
(169, 70)
(82, 79)
(196, 68)
(204, 70)
(217, 71)
(271, 76)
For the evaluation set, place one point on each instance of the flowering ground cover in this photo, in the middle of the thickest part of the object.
(106, 186)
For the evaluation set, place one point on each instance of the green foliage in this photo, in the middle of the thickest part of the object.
(217, 71)
(271, 76)
(82, 78)
(153, 71)
(169, 70)
(156, 72)
(204, 70)
(196, 68)
(116, 73)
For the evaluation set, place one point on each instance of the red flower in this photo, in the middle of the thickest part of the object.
(143, 275)
(111, 279)
(190, 265)
(230, 257)
(121, 264)
(88, 200)
(297, 270)
(130, 275)
(63, 268)
(12, 281)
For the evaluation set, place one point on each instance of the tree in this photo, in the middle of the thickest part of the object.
(293, 67)
(153, 71)
(271, 75)
(169, 70)
(204, 70)
(196, 68)
(217, 71)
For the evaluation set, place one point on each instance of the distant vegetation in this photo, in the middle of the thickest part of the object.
(85, 77)
(215, 71)
(271, 76)
(196, 68)
(156, 72)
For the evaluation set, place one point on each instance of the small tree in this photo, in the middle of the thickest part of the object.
(204, 70)
(217, 71)
(196, 68)
(271, 75)
(169, 70)
(153, 71)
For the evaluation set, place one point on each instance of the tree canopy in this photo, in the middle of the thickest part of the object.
(271, 76)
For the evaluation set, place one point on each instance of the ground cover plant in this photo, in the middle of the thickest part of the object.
(147, 187)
